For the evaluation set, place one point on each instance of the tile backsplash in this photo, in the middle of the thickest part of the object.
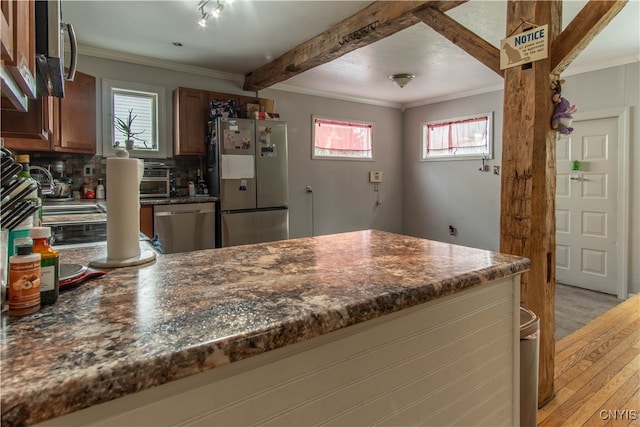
(184, 169)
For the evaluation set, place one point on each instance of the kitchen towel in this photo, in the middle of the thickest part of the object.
(123, 207)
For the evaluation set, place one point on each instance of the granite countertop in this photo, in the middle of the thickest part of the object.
(195, 311)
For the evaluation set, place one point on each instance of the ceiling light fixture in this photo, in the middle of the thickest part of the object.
(205, 15)
(401, 80)
(215, 11)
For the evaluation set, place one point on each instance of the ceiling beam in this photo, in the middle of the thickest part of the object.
(462, 37)
(375, 22)
(592, 19)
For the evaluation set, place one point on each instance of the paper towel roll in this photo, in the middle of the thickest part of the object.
(123, 207)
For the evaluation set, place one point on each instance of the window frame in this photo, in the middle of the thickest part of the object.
(314, 156)
(452, 157)
(108, 86)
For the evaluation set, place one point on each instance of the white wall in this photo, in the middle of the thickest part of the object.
(342, 198)
(438, 194)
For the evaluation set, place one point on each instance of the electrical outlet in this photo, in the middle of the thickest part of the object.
(375, 176)
(87, 170)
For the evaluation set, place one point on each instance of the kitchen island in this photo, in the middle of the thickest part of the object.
(349, 328)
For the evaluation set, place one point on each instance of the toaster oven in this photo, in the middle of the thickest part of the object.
(156, 181)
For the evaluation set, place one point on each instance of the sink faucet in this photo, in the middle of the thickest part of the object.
(49, 189)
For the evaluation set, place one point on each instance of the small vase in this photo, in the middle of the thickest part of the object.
(129, 144)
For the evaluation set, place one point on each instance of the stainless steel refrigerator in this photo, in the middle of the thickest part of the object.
(247, 170)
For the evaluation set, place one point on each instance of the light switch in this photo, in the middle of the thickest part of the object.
(375, 176)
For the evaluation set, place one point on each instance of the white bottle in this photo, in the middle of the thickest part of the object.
(100, 190)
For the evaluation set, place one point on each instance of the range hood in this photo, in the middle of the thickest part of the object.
(51, 75)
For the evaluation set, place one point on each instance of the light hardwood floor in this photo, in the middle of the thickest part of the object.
(597, 372)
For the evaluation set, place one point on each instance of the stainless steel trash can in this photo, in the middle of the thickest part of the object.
(529, 350)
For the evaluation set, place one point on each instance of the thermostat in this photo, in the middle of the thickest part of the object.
(375, 176)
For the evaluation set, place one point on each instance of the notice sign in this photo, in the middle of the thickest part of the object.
(529, 46)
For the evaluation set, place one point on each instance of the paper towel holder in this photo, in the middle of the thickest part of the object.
(146, 255)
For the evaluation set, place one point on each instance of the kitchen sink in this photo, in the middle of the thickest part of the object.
(48, 210)
(77, 224)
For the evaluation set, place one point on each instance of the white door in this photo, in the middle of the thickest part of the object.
(586, 206)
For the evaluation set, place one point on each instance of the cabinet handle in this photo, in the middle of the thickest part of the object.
(74, 52)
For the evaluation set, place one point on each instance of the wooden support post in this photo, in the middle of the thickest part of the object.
(527, 225)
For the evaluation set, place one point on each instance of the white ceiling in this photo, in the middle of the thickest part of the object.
(251, 32)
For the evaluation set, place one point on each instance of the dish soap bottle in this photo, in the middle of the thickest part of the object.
(100, 189)
(49, 265)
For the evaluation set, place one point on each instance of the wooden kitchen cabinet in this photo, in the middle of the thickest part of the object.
(191, 113)
(66, 125)
(146, 220)
(77, 116)
(33, 130)
(190, 121)
(18, 53)
(6, 29)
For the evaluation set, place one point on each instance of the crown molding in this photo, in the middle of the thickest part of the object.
(585, 68)
(174, 66)
(600, 65)
(453, 96)
(157, 63)
(334, 95)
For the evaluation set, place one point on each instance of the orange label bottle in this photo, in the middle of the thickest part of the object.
(24, 281)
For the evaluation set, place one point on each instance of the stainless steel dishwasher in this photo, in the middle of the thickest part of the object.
(185, 227)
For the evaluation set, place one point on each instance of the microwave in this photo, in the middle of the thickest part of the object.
(49, 46)
(156, 182)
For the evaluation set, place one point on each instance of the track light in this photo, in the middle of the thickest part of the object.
(205, 15)
(216, 11)
(203, 21)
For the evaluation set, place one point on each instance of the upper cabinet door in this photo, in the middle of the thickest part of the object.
(6, 29)
(66, 125)
(17, 22)
(77, 118)
(190, 122)
(34, 130)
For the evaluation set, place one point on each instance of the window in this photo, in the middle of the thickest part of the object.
(342, 139)
(140, 109)
(146, 105)
(458, 139)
